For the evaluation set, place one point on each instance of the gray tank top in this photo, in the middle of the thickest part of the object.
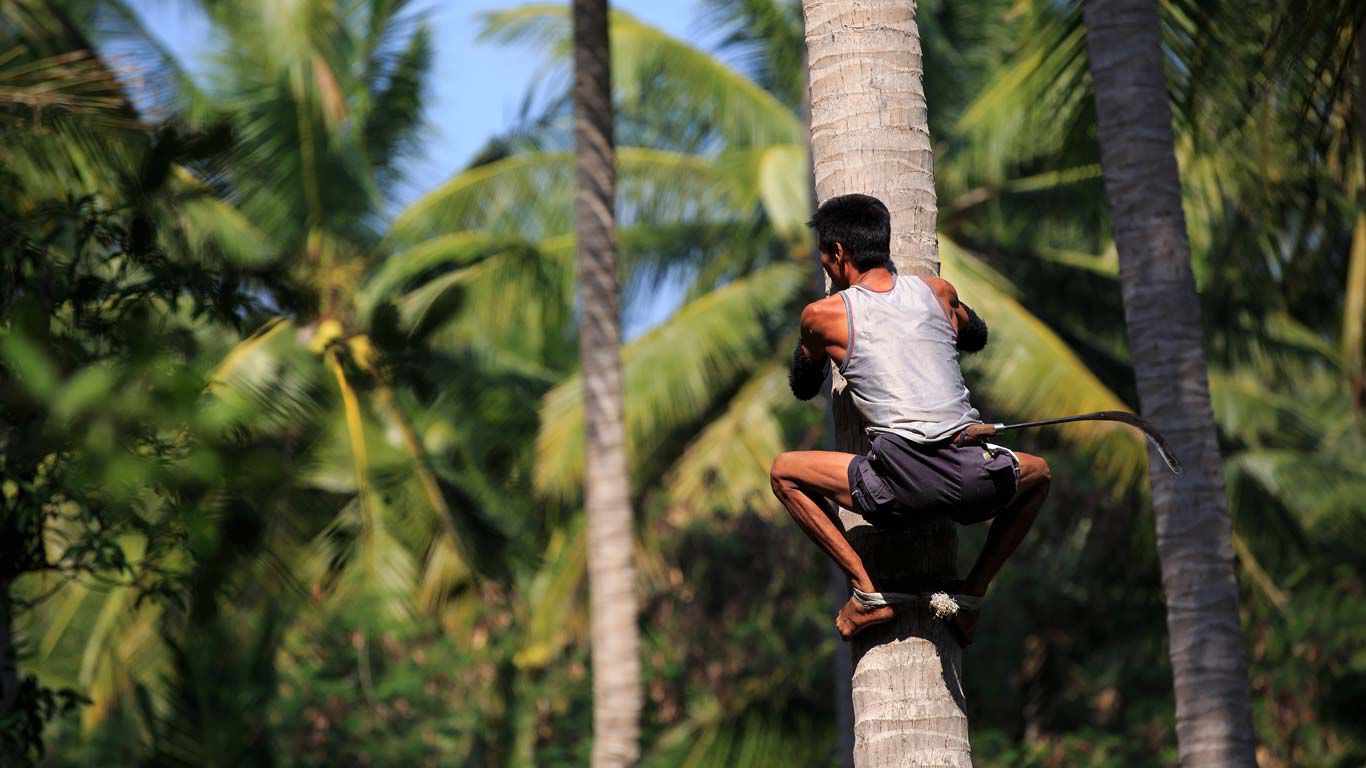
(902, 363)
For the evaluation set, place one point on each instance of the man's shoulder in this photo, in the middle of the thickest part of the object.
(942, 287)
(823, 314)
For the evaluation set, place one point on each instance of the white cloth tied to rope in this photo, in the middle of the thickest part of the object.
(942, 604)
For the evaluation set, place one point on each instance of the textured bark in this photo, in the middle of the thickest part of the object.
(869, 134)
(1138, 159)
(611, 575)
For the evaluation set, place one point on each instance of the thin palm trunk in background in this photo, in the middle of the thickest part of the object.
(1138, 159)
(869, 134)
(611, 577)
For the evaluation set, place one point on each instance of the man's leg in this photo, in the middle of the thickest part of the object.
(803, 481)
(1007, 530)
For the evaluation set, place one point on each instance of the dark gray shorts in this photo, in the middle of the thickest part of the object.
(900, 482)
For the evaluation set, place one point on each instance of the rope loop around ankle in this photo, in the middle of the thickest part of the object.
(942, 604)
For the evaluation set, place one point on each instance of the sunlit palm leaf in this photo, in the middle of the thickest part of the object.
(1028, 372)
(778, 176)
(408, 269)
(672, 374)
(725, 468)
(551, 596)
(531, 195)
(1322, 490)
(648, 64)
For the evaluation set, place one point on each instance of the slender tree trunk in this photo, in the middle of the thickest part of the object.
(611, 576)
(1138, 159)
(869, 134)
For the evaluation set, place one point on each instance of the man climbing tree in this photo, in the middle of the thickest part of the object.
(896, 342)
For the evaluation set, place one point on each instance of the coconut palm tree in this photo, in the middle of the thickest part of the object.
(698, 216)
(870, 134)
(1209, 661)
(721, 209)
(607, 504)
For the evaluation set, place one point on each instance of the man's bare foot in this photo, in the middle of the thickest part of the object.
(855, 617)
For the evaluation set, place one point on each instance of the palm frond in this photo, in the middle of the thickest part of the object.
(649, 66)
(673, 374)
(725, 468)
(408, 270)
(1029, 372)
(161, 85)
(531, 195)
(777, 175)
(769, 37)
(211, 225)
(1323, 491)
(394, 113)
(551, 596)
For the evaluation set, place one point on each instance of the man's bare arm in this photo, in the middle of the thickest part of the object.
(809, 360)
(971, 329)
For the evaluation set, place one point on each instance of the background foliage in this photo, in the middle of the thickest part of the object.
(288, 479)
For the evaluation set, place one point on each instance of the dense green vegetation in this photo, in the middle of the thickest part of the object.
(290, 480)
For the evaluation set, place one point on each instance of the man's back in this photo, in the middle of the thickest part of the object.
(901, 361)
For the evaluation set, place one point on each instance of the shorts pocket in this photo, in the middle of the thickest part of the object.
(989, 483)
(1005, 476)
(871, 494)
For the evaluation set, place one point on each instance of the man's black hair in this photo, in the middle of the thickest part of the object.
(860, 223)
(973, 336)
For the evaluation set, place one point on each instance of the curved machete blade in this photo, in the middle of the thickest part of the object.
(1159, 442)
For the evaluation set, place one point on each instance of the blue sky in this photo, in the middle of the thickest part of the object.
(476, 87)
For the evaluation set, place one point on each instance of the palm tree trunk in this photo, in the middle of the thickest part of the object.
(869, 134)
(1138, 159)
(611, 576)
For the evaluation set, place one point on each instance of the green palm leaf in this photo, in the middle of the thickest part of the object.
(1029, 372)
(673, 374)
(394, 112)
(725, 468)
(531, 195)
(551, 597)
(776, 176)
(649, 66)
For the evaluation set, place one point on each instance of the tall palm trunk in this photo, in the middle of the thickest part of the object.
(611, 577)
(1138, 159)
(869, 134)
